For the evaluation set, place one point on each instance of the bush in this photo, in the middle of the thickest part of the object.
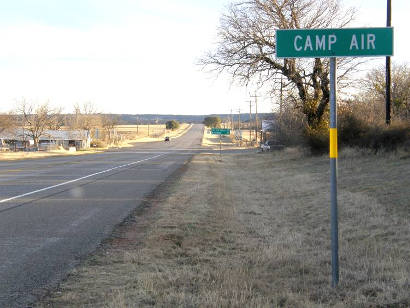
(387, 138)
(351, 130)
(290, 127)
(358, 132)
(172, 124)
(317, 140)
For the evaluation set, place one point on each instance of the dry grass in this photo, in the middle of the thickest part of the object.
(143, 133)
(42, 154)
(253, 231)
(227, 141)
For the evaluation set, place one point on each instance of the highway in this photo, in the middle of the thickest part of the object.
(55, 211)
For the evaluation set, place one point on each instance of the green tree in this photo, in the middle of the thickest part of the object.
(172, 124)
(212, 121)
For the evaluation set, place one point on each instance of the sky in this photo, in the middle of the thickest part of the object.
(134, 56)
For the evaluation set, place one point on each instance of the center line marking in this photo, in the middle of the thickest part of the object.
(79, 179)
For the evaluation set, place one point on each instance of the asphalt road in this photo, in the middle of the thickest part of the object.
(55, 211)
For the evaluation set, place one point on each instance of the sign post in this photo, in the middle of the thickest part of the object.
(334, 227)
(332, 43)
(220, 132)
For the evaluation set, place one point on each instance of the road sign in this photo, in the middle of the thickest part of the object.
(332, 43)
(220, 131)
(349, 42)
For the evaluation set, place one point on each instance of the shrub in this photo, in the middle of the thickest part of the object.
(290, 127)
(356, 131)
(351, 130)
(317, 139)
(172, 124)
(387, 138)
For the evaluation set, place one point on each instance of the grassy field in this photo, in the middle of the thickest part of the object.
(148, 132)
(252, 230)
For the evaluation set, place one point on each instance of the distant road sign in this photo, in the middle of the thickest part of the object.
(220, 131)
(350, 42)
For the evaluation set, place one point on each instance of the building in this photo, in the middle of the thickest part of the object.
(18, 140)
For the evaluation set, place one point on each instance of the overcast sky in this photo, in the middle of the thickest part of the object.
(132, 56)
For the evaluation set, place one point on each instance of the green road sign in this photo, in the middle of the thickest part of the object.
(220, 131)
(318, 43)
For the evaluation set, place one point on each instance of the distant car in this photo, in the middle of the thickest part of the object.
(166, 139)
(267, 145)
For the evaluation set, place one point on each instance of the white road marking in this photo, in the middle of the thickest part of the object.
(79, 179)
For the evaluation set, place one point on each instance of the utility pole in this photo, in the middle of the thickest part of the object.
(250, 120)
(256, 121)
(231, 120)
(388, 69)
(239, 120)
(256, 116)
(281, 96)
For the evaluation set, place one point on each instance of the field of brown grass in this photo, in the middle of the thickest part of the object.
(42, 154)
(252, 230)
(147, 133)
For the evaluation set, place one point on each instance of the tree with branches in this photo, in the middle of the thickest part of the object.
(85, 117)
(38, 118)
(7, 121)
(247, 47)
(108, 123)
(374, 88)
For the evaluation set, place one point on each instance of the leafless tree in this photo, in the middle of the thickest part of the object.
(247, 47)
(7, 121)
(108, 122)
(85, 117)
(37, 118)
(374, 89)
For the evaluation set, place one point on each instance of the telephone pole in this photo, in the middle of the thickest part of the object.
(281, 96)
(256, 116)
(250, 120)
(239, 120)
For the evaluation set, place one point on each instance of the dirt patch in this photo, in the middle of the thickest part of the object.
(253, 231)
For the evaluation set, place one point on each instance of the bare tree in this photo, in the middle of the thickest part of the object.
(374, 88)
(37, 118)
(247, 47)
(7, 121)
(85, 117)
(108, 122)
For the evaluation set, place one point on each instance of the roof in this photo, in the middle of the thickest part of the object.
(20, 134)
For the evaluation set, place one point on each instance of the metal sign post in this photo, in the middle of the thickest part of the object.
(333, 174)
(220, 146)
(332, 43)
(220, 132)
